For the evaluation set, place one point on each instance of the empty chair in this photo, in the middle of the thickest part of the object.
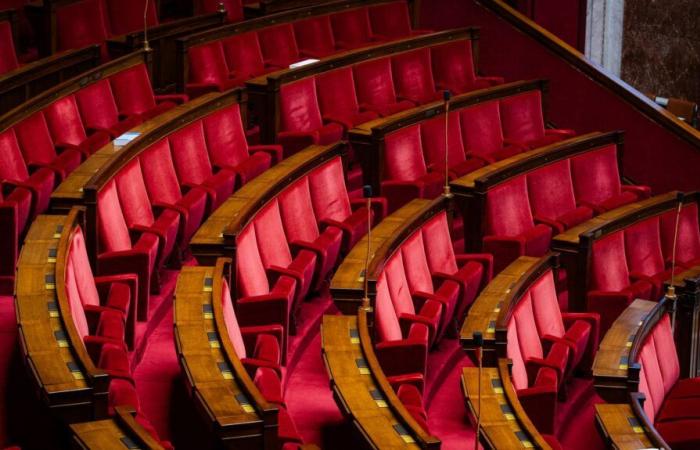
(610, 289)
(80, 24)
(405, 175)
(414, 76)
(375, 88)
(551, 193)
(391, 20)
(412, 400)
(597, 183)
(300, 118)
(279, 46)
(510, 227)
(244, 57)
(126, 16)
(99, 110)
(67, 130)
(194, 170)
(688, 243)
(134, 96)
(8, 56)
(645, 258)
(483, 135)
(234, 8)
(229, 149)
(333, 207)
(208, 70)
(337, 99)
(302, 231)
(315, 37)
(433, 141)
(453, 68)
(523, 121)
(352, 29)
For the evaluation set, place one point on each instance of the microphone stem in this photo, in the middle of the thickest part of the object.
(146, 46)
(447, 148)
(478, 414)
(369, 235)
(671, 292)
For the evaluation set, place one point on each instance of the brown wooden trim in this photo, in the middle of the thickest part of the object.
(124, 417)
(637, 402)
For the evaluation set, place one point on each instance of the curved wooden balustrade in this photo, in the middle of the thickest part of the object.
(361, 389)
(113, 434)
(220, 388)
(620, 427)
(504, 423)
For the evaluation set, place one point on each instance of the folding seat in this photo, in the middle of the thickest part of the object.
(208, 71)
(301, 229)
(406, 177)
(412, 400)
(116, 253)
(577, 331)
(243, 55)
(276, 255)
(270, 386)
(234, 8)
(375, 88)
(229, 149)
(194, 170)
(279, 46)
(413, 76)
(315, 37)
(537, 390)
(523, 121)
(420, 283)
(39, 149)
(433, 141)
(482, 133)
(402, 354)
(551, 194)
(80, 24)
(610, 289)
(351, 29)
(138, 213)
(333, 207)
(67, 130)
(8, 56)
(300, 118)
(338, 100)
(99, 110)
(510, 228)
(165, 194)
(126, 16)
(453, 68)
(645, 258)
(471, 271)
(134, 96)
(597, 181)
(391, 20)
(688, 242)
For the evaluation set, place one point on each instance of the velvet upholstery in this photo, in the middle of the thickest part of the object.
(375, 88)
(126, 16)
(208, 70)
(453, 68)
(244, 57)
(413, 76)
(688, 243)
(134, 95)
(352, 29)
(391, 20)
(80, 24)
(315, 37)
(99, 111)
(483, 135)
(433, 142)
(279, 45)
(337, 99)
(8, 56)
(523, 121)
(67, 130)
(645, 258)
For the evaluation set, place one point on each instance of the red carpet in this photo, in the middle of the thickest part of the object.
(8, 339)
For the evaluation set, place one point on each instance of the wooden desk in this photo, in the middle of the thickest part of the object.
(117, 433)
(361, 389)
(620, 427)
(504, 423)
(220, 388)
(612, 358)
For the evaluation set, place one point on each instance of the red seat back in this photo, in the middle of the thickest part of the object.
(453, 65)
(244, 57)
(207, 63)
(546, 306)
(232, 328)
(189, 150)
(111, 225)
(279, 45)
(528, 338)
(388, 326)
(225, 136)
(159, 173)
(81, 24)
(299, 109)
(126, 16)
(76, 307)
(390, 19)
(8, 56)
(298, 213)
(416, 264)
(97, 105)
(336, 92)
(315, 34)
(132, 90)
(251, 276)
(521, 116)
(85, 282)
(375, 85)
(438, 245)
(352, 27)
(414, 75)
(35, 139)
(508, 209)
(481, 128)
(596, 175)
(688, 243)
(398, 285)
(329, 194)
(133, 195)
(551, 190)
(403, 155)
(643, 247)
(272, 242)
(609, 270)
(433, 140)
(12, 165)
(64, 121)
(518, 372)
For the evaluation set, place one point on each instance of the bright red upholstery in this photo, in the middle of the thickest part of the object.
(315, 37)
(510, 227)
(523, 121)
(391, 20)
(81, 24)
(482, 133)
(67, 130)
(8, 56)
(243, 56)
(134, 96)
(375, 88)
(688, 244)
(405, 174)
(453, 68)
(98, 109)
(412, 400)
(279, 45)
(126, 16)
(551, 194)
(645, 259)
(351, 29)
(300, 118)
(208, 70)
(433, 142)
(414, 77)
(234, 8)
(338, 100)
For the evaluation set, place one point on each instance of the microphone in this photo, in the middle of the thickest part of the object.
(671, 290)
(479, 343)
(146, 46)
(446, 99)
(367, 193)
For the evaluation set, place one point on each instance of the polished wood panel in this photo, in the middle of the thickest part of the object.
(116, 433)
(687, 288)
(620, 427)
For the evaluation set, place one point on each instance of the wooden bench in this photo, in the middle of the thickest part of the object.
(115, 433)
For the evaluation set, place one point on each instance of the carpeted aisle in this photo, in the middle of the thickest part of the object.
(8, 339)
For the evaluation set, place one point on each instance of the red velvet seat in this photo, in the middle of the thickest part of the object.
(244, 57)
(375, 88)
(645, 258)
(8, 56)
(510, 227)
(471, 271)
(333, 207)
(67, 130)
(610, 289)
(433, 141)
(405, 174)
(337, 99)
(402, 354)
(208, 70)
(194, 169)
(453, 68)
(279, 46)
(80, 24)
(391, 20)
(234, 8)
(126, 16)
(300, 118)
(315, 37)
(134, 96)
(413, 76)
(229, 149)
(302, 231)
(39, 149)
(551, 194)
(99, 110)
(483, 135)
(412, 400)
(597, 181)
(351, 29)
(688, 243)
(577, 331)
(523, 121)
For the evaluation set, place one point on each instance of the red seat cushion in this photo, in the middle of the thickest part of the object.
(453, 68)
(482, 133)
(338, 100)
(390, 19)
(375, 87)
(80, 24)
(433, 140)
(351, 28)
(243, 55)
(279, 46)
(315, 37)
(413, 76)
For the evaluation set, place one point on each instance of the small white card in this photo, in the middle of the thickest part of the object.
(125, 138)
(302, 63)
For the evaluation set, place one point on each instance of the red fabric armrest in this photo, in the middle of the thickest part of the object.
(274, 150)
(178, 99)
